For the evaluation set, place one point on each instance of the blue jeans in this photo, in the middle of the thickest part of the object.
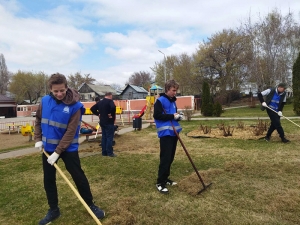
(108, 132)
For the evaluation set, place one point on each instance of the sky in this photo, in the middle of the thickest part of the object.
(112, 39)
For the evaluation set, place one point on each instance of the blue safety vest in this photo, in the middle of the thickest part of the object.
(275, 99)
(54, 123)
(164, 128)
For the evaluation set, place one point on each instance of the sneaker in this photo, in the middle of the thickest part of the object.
(267, 138)
(99, 213)
(170, 182)
(162, 188)
(51, 215)
(284, 140)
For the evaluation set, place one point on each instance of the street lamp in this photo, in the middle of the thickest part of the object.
(165, 66)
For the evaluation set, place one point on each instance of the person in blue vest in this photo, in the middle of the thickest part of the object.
(275, 99)
(57, 127)
(166, 118)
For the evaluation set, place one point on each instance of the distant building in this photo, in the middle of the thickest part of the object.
(88, 92)
(248, 87)
(8, 107)
(133, 92)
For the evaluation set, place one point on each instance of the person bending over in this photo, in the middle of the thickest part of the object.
(275, 99)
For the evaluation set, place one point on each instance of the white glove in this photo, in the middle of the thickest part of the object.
(264, 104)
(176, 116)
(52, 158)
(180, 116)
(279, 113)
(39, 145)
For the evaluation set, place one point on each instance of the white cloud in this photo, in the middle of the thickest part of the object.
(112, 39)
(30, 41)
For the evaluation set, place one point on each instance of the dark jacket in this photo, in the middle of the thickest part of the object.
(269, 98)
(104, 108)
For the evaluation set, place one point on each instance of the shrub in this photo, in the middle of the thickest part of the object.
(207, 107)
(218, 110)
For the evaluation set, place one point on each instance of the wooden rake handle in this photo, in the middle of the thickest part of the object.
(283, 116)
(75, 191)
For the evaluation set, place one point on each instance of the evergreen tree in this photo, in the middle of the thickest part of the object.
(207, 106)
(218, 109)
(4, 75)
(296, 85)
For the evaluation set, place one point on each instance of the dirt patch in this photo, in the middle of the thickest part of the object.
(14, 140)
(246, 133)
(121, 213)
(192, 184)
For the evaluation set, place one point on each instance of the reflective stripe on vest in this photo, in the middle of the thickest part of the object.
(56, 141)
(165, 128)
(54, 123)
(168, 128)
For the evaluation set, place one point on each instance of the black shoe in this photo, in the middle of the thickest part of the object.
(99, 213)
(267, 138)
(112, 155)
(170, 182)
(162, 188)
(51, 215)
(284, 140)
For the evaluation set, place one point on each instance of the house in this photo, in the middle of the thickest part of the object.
(134, 92)
(88, 92)
(8, 107)
(249, 87)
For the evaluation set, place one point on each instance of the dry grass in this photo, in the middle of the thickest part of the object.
(254, 182)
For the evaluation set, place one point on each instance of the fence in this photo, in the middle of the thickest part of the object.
(15, 125)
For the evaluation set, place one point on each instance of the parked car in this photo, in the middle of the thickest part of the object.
(33, 113)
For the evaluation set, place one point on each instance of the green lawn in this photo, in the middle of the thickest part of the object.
(253, 112)
(254, 182)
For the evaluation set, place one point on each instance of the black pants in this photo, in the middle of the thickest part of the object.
(72, 164)
(167, 153)
(275, 124)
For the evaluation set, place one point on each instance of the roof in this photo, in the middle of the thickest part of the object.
(4, 98)
(138, 88)
(102, 89)
(7, 105)
(156, 87)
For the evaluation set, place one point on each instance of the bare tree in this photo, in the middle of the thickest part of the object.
(183, 73)
(116, 86)
(28, 86)
(275, 45)
(141, 78)
(76, 80)
(224, 58)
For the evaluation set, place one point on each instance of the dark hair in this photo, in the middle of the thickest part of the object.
(283, 85)
(171, 84)
(97, 99)
(57, 78)
(108, 94)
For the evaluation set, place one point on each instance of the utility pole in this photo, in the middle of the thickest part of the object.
(165, 65)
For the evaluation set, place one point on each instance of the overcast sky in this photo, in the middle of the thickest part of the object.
(112, 39)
